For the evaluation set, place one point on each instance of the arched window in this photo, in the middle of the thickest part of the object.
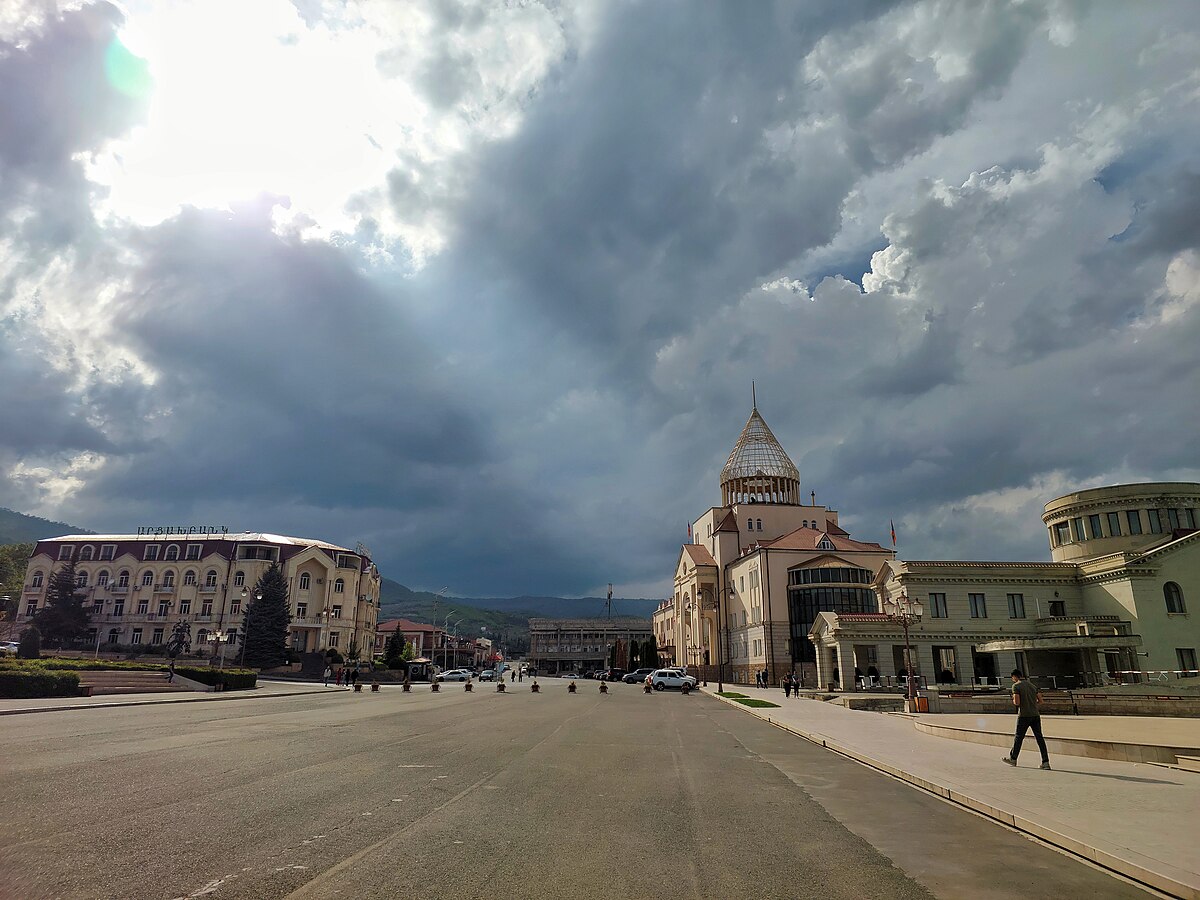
(147, 578)
(37, 580)
(172, 552)
(189, 577)
(749, 524)
(123, 578)
(758, 525)
(81, 578)
(86, 552)
(210, 578)
(102, 577)
(240, 578)
(169, 578)
(1173, 594)
(305, 581)
(339, 586)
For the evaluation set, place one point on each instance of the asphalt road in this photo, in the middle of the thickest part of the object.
(481, 795)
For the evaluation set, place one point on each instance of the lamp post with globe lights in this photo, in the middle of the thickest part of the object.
(905, 612)
(257, 596)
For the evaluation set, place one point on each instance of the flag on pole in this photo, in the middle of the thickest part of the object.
(893, 525)
(689, 540)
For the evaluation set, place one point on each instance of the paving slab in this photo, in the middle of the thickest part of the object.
(1134, 818)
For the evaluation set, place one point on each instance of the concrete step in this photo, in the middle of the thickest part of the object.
(1191, 763)
(118, 682)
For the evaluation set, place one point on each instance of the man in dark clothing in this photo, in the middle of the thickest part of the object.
(1026, 698)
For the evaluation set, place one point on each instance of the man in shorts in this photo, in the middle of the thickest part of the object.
(1026, 698)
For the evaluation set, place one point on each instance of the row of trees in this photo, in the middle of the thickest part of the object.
(63, 620)
(641, 654)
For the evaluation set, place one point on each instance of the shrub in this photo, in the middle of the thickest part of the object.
(229, 679)
(333, 656)
(31, 644)
(82, 665)
(33, 681)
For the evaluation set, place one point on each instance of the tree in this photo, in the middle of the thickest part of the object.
(650, 652)
(353, 653)
(31, 644)
(634, 657)
(409, 653)
(265, 630)
(393, 651)
(64, 618)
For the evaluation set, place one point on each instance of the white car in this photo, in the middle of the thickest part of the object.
(454, 675)
(662, 679)
(9, 648)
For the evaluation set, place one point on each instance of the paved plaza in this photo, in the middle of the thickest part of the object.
(461, 795)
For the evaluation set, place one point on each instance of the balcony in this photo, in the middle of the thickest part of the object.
(118, 588)
(33, 589)
(1082, 625)
(208, 589)
(164, 589)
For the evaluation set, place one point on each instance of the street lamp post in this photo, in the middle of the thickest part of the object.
(716, 604)
(904, 612)
(217, 636)
(257, 596)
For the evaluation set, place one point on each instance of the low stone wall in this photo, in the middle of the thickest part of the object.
(1068, 703)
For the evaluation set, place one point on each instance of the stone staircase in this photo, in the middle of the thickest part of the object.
(118, 682)
(1191, 763)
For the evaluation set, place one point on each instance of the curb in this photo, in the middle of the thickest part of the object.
(207, 698)
(1144, 875)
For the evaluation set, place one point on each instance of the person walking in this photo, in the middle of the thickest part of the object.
(512, 675)
(795, 686)
(787, 686)
(1027, 698)
(757, 678)
(328, 674)
(353, 679)
(766, 678)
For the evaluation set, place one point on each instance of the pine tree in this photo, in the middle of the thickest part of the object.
(64, 618)
(31, 644)
(634, 657)
(265, 630)
(394, 650)
(409, 653)
(649, 653)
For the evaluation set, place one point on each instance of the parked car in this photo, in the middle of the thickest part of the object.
(453, 675)
(670, 678)
(568, 674)
(637, 676)
(487, 675)
(9, 648)
(611, 674)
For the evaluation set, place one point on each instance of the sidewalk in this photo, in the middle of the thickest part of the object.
(59, 704)
(1137, 819)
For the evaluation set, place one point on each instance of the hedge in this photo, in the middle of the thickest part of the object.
(81, 665)
(38, 683)
(229, 679)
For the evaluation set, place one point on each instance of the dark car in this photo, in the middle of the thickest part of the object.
(637, 676)
(611, 674)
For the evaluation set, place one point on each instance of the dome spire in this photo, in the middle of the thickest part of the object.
(759, 470)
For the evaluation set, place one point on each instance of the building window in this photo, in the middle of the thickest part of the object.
(1173, 594)
(305, 581)
(1062, 534)
(143, 607)
(97, 606)
(156, 636)
(114, 635)
(210, 578)
(1187, 661)
(206, 608)
(339, 586)
(1077, 529)
(758, 525)
(86, 553)
(147, 578)
(172, 552)
(1173, 519)
(136, 637)
(1094, 527)
(235, 607)
(978, 606)
(336, 612)
(193, 551)
(150, 552)
(185, 607)
(189, 577)
(1189, 518)
(749, 525)
(123, 579)
(333, 639)
(301, 610)
(31, 608)
(1058, 609)
(64, 552)
(825, 544)
(937, 606)
(1114, 524)
(1134, 520)
(164, 606)
(239, 579)
(81, 579)
(37, 580)
(202, 636)
(1016, 606)
(118, 607)
(1155, 521)
(169, 578)
(108, 551)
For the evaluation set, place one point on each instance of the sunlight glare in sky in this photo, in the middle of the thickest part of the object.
(245, 100)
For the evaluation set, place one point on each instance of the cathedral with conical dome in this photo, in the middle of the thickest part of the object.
(759, 567)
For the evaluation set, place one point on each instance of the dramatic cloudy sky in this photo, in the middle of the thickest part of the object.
(484, 285)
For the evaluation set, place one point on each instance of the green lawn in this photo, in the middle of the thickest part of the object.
(757, 704)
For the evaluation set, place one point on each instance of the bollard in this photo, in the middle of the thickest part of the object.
(603, 688)
(646, 687)
(571, 687)
(685, 688)
(533, 688)
(357, 688)
(374, 687)
(407, 686)
(500, 687)
(435, 687)
(468, 687)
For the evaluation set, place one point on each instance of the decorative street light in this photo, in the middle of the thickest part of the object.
(714, 602)
(905, 612)
(217, 636)
(257, 596)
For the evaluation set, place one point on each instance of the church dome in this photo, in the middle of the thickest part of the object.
(758, 469)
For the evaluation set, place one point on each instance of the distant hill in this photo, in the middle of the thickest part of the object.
(504, 618)
(18, 528)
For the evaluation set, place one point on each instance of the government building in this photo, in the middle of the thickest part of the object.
(139, 586)
(771, 584)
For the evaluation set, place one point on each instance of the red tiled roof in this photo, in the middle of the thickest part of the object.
(404, 625)
(699, 554)
(809, 538)
(729, 523)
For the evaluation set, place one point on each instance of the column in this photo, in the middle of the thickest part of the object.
(822, 669)
(965, 663)
(845, 665)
